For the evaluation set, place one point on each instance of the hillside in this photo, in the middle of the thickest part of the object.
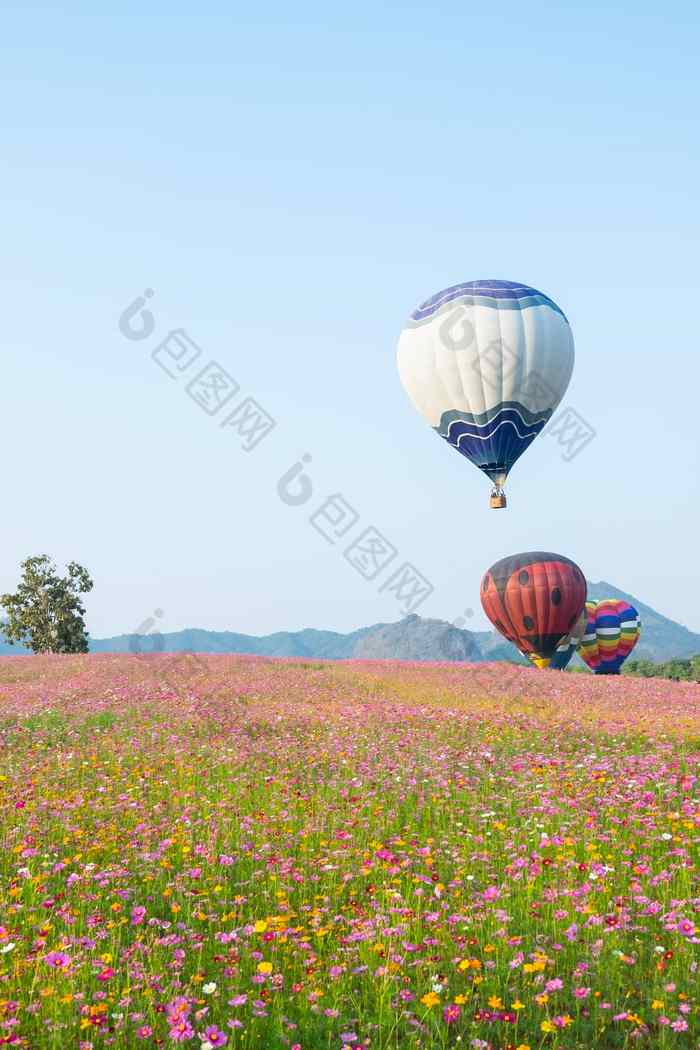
(412, 638)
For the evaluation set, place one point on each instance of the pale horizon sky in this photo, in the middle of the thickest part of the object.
(291, 186)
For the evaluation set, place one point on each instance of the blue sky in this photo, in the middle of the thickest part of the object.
(291, 182)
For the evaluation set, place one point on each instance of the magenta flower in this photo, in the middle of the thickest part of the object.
(451, 1013)
(178, 1010)
(59, 960)
(215, 1036)
(138, 914)
(180, 1031)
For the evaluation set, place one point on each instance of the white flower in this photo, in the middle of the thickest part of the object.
(206, 1045)
(666, 836)
(7, 947)
(209, 989)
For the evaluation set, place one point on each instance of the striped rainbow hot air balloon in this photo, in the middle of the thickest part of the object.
(612, 631)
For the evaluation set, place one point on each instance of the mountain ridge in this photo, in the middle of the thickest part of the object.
(413, 638)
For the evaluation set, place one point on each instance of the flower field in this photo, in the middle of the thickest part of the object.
(232, 851)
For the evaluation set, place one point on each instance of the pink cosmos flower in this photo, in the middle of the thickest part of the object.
(582, 993)
(555, 985)
(215, 1036)
(138, 914)
(180, 1031)
(451, 1013)
(59, 960)
(177, 1010)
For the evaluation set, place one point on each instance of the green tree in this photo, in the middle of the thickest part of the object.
(46, 612)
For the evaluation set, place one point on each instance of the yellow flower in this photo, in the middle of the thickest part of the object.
(460, 1000)
(495, 1002)
(657, 1004)
(260, 926)
(431, 999)
(542, 998)
(522, 1046)
(547, 1026)
(517, 1005)
(265, 967)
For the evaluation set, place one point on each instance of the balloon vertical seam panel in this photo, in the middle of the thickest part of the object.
(486, 363)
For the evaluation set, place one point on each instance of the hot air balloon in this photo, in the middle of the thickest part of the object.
(612, 631)
(486, 363)
(534, 599)
(568, 646)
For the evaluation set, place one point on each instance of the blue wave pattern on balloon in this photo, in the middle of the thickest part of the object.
(494, 440)
(501, 294)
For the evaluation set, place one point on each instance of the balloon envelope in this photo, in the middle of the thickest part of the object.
(612, 631)
(568, 646)
(486, 363)
(534, 599)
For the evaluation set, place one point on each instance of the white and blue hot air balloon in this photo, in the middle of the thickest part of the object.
(486, 363)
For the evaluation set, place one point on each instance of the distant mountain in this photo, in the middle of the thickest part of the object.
(328, 645)
(11, 650)
(412, 638)
(416, 639)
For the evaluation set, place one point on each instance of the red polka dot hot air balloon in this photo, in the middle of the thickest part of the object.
(612, 631)
(534, 599)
